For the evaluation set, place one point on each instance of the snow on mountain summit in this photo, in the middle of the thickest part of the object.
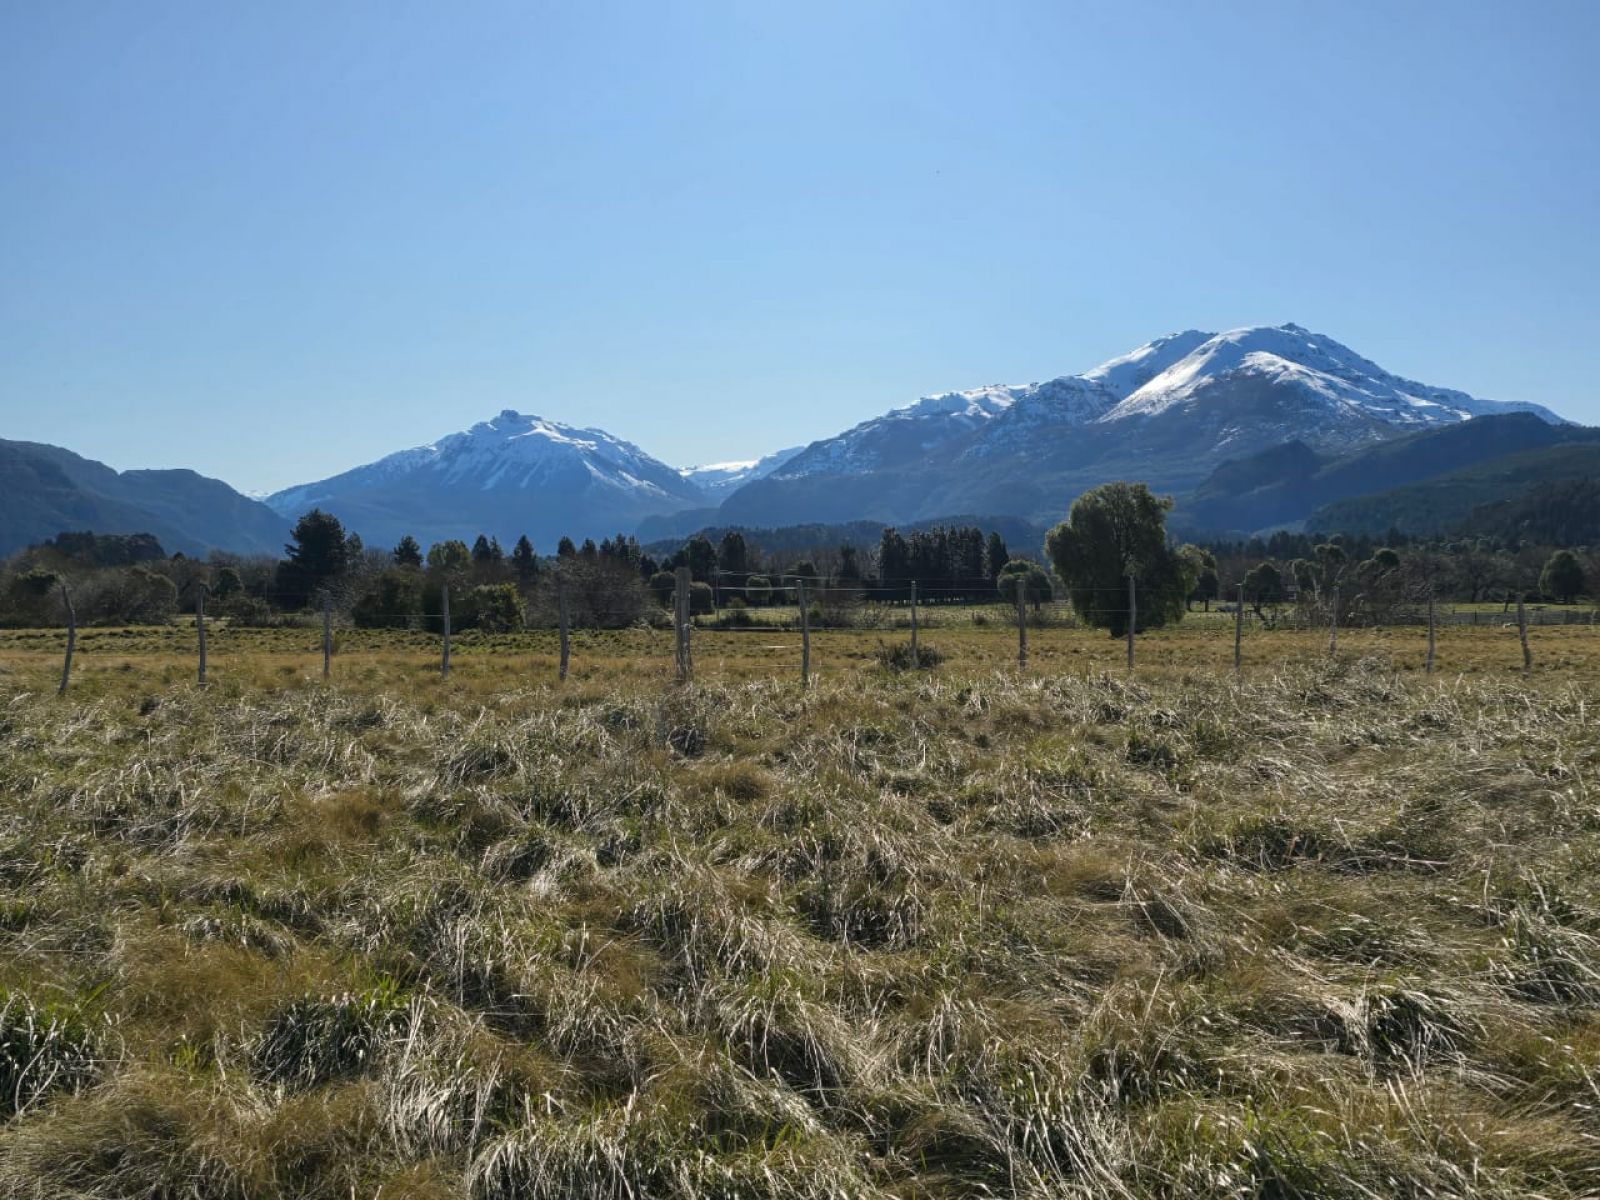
(517, 451)
(1323, 371)
(1128, 372)
(1217, 390)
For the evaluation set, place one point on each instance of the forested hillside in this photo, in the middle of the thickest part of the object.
(1446, 503)
(45, 490)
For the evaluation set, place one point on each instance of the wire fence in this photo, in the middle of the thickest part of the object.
(810, 609)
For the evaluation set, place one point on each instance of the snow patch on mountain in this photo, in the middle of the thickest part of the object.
(1055, 403)
(1128, 372)
(919, 428)
(722, 479)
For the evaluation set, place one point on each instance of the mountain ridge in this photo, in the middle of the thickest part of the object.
(48, 490)
(1171, 413)
(1167, 413)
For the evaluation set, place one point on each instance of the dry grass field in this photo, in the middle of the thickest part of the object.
(124, 660)
(1326, 930)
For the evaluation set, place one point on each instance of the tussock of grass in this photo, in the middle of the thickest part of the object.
(1332, 932)
(45, 1048)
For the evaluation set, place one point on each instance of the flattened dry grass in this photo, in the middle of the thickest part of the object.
(1331, 931)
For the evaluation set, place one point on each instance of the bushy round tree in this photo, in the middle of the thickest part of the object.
(1114, 531)
(1029, 576)
(1562, 578)
(1263, 589)
(662, 585)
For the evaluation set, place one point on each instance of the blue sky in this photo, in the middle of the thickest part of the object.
(273, 241)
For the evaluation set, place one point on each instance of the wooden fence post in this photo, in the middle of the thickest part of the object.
(915, 662)
(1022, 623)
(1238, 633)
(72, 638)
(563, 617)
(200, 624)
(1522, 633)
(444, 657)
(805, 633)
(683, 583)
(327, 636)
(1432, 633)
(1133, 617)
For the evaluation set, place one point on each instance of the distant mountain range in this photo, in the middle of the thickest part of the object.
(1252, 429)
(1168, 413)
(45, 490)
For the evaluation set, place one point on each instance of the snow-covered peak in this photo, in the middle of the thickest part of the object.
(1323, 392)
(1128, 372)
(511, 451)
(1322, 370)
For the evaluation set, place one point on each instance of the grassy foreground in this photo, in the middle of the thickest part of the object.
(1326, 932)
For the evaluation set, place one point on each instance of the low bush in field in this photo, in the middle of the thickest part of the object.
(897, 656)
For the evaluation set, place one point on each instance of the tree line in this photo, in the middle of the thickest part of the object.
(1110, 533)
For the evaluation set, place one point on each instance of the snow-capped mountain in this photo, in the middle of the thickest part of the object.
(717, 480)
(1167, 413)
(506, 476)
(903, 434)
(1335, 376)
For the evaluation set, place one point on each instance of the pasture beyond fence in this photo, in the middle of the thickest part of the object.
(1230, 636)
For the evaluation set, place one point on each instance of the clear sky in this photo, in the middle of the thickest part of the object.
(273, 241)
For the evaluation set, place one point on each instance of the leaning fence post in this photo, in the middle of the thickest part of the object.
(200, 624)
(1022, 623)
(1522, 633)
(914, 658)
(805, 632)
(72, 638)
(1133, 617)
(1238, 633)
(444, 615)
(327, 636)
(1432, 633)
(561, 608)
